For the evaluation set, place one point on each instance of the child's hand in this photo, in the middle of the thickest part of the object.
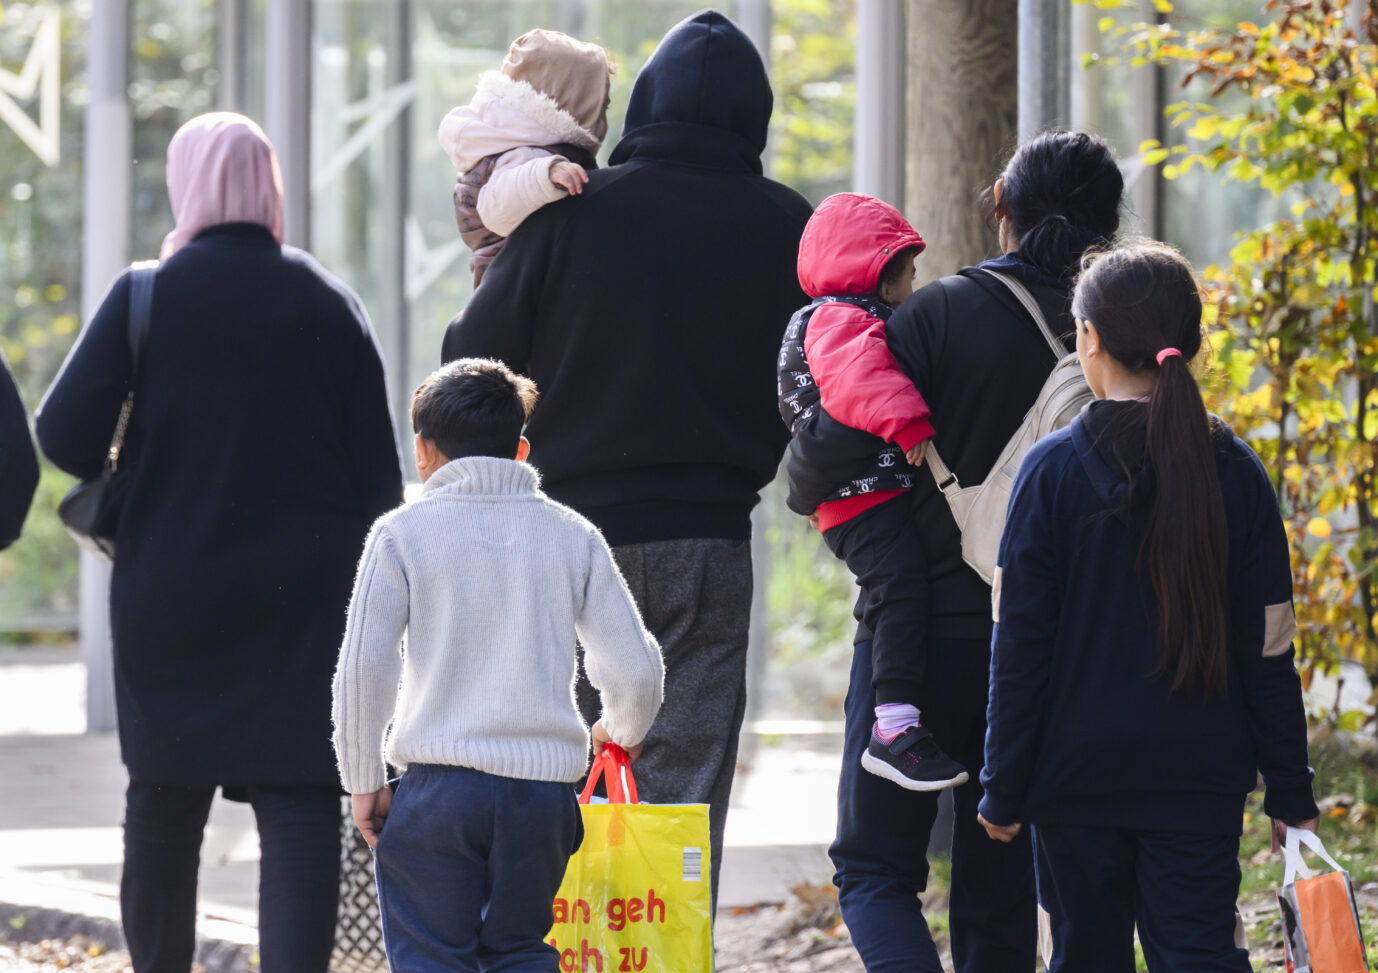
(569, 175)
(916, 453)
(1000, 832)
(370, 811)
(1280, 827)
(601, 739)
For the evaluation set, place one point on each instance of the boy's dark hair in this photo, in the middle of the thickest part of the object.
(473, 407)
(1144, 298)
(895, 266)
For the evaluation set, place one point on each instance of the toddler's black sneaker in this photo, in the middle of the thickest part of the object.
(913, 760)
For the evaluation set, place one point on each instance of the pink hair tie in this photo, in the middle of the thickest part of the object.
(1167, 353)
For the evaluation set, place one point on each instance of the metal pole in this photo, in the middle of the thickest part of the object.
(878, 133)
(231, 48)
(287, 109)
(395, 198)
(105, 252)
(754, 18)
(1150, 96)
(1045, 55)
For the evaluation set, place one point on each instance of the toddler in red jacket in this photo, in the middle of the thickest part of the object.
(860, 428)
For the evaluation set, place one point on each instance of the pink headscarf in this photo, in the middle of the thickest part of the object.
(221, 168)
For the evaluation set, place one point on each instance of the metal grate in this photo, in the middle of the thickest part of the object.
(358, 934)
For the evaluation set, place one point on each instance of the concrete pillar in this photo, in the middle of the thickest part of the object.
(960, 126)
(287, 109)
(1045, 61)
(105, 252)
(392, 314)
(878, 121)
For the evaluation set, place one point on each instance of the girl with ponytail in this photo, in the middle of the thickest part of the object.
(1142, 667)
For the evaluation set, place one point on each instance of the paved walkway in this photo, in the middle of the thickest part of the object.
(61, 802)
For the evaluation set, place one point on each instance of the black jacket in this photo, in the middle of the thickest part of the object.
(1081, 730)
(829, 460)
(262, 450)
(979, 360)
(18, 462)
(649, 309)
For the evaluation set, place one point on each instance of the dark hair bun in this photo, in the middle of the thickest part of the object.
(1062, 192)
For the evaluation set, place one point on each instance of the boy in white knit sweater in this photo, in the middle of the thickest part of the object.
(491, 582)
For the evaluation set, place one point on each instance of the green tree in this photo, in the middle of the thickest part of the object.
(1295, 325)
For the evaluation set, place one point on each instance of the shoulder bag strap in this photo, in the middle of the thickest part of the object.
(140, 310)
(1022, 295)
(944, 477)
(141, 277)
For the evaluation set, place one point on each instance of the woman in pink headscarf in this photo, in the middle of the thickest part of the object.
(261, 450)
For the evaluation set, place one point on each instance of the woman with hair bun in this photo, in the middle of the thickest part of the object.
(979, 359)
(1142, 669)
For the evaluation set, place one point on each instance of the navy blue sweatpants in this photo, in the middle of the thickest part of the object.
(881, 851)
(468, 865)
(1179, 889)
(884, 552)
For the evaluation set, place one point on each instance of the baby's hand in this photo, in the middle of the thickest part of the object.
(916, 453)
(569, 175)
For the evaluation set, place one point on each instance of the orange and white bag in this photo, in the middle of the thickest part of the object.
(1320, 922)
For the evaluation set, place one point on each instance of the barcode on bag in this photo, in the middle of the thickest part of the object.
(693, 864)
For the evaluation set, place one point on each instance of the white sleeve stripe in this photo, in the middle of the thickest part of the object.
(1279, 628)
(995, 594)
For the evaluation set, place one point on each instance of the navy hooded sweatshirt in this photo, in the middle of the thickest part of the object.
(1080, 730)
(649, 309)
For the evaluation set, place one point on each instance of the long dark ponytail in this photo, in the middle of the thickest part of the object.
(1145, 304)
(1062, 193)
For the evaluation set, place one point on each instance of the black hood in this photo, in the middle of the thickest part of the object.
(1111, 441)
(705, 83)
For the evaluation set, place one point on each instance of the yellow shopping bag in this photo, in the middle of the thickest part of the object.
(635, 895)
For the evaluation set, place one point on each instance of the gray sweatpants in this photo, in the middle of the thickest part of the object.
(695, 596)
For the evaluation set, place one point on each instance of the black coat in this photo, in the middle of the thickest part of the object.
(649, 310)
(262, 450)
(980, 361)
(18, 461)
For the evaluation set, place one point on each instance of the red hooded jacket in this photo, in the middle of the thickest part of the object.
(846, 244)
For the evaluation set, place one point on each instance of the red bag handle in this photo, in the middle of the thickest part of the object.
(615, 767)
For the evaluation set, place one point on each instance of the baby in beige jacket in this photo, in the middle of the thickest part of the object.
(527, 137)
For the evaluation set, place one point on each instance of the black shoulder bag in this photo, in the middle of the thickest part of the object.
(91, 511)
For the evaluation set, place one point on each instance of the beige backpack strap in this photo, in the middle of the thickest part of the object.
(1022, 295)
(945, 478)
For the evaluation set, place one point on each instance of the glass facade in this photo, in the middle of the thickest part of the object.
(40, 273)
(381, 75)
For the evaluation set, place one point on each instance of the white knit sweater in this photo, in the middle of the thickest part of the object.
(490, 580)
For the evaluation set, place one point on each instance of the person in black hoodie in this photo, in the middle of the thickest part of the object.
(1142, 669)
(980, 360)
(650, 310)
(262, 450)
(18, 461)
